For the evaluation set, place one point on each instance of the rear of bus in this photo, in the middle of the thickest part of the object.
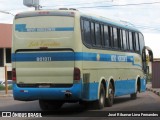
(43, 56)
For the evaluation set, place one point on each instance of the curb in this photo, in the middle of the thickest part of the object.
(154, 91)
(6, 95)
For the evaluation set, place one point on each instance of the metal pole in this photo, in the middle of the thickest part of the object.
(6, 82)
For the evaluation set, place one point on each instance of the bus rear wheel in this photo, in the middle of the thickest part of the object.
(109, 100)
(50, 104)
(133, 96)
(100, 103)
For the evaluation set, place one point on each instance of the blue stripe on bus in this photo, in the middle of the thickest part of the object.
(23, 28)
(79, 91)
(24, 57)
(73, 56)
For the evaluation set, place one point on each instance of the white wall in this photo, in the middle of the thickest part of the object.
(2, 74)
(2, 69)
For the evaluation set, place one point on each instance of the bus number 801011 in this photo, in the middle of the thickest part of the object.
(43, 59)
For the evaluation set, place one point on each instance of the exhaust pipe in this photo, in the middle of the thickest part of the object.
(68, 94)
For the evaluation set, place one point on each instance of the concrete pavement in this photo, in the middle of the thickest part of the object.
(3, 93)
(154, 90)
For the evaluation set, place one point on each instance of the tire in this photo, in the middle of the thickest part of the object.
(46, 105)
(133, 96)
(100, 103)
(110, 99)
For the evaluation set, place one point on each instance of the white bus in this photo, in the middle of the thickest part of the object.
(63, 56)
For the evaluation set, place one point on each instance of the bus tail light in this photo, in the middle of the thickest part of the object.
(14, 74)
(77, 73)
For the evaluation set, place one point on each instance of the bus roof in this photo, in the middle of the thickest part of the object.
(69, 12)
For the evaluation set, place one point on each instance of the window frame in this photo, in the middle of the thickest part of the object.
(121, 39)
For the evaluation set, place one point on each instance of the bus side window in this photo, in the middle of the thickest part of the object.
(93, 34)
(121, 39)
(110, 33)
(133, 41)
(141, 42)
(124, 39)
(127, 40)
(97, 35)
(111, 37)
(137, 41)
(102, 35)
(106, 36)
(115, 38)
(86, 31)
(130, 41)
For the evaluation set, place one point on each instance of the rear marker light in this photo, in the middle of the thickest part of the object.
(25, 91)
(14, 74)
(77, 74)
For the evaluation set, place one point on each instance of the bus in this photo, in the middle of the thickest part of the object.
(61, 56)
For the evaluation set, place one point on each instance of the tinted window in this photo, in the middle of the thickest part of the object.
(133, 41)
(106, 36)
(130, 41)
(86, 26)
(127, 40)
(115, 38)
(141, 41)
(97, 34)
(93, 34)
(111, 37)
(124, 39)
(121, 37)
(102, 35)
(137, 42)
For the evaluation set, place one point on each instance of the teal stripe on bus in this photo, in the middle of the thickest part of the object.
(72, 56)
(23, 28)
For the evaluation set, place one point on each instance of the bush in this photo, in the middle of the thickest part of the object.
(3, 87)
(149, 78)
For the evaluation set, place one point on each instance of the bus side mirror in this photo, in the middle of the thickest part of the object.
(150, 56)
(150, 53)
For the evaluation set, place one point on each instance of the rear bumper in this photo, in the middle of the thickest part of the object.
(29, 94)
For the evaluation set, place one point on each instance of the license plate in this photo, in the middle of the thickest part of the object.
(44, 86)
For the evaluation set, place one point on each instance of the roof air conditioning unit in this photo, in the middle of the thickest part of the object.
(31, 3)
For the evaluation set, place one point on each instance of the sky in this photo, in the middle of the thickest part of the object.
(142, 14)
